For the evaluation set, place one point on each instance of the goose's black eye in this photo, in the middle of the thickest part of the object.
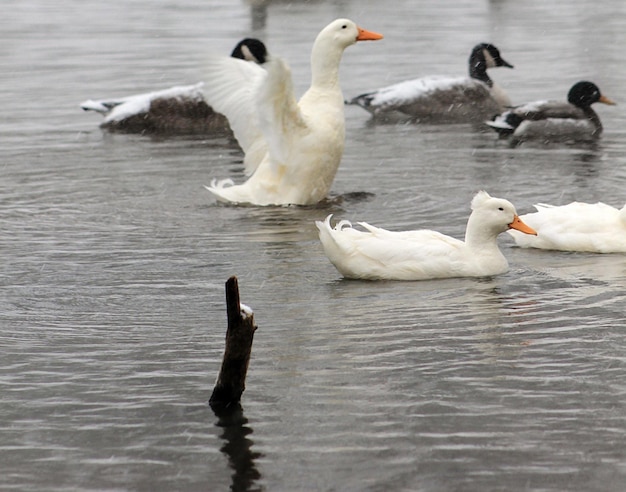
(500, 208)
(345, 26)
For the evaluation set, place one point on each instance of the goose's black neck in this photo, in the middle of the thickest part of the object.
(484, 56)
(478, 66)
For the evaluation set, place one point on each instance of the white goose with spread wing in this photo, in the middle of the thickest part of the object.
(292, 148)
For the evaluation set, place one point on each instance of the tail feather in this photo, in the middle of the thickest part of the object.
(102, 107)
(506, 123)
(364, 100)
(219, 187)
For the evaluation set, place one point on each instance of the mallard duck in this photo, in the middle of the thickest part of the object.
(444, 99)
(555, 120)
(292, 148)
(177, 110)
(587, 227)
(377, 254)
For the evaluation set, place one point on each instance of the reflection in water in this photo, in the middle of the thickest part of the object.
(587, 147)
(237, 447)
(258, 14)
(585, 168)
(591, 153)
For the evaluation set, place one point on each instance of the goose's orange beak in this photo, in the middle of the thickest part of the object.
(606, 100)
(518, 225)
(368, 35)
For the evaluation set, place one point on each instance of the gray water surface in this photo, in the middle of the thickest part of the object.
(114, 258)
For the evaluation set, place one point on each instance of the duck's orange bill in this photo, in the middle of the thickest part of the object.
(518, 225)
(368, 35)
(606, 100)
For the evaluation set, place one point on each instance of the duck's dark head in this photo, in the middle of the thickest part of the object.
(583, 94)
(484, 56)
(250, 49)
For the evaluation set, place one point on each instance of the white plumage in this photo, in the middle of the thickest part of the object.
(377, 253)
(292, 148)
(586, 227)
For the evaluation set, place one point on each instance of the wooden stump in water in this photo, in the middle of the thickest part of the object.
(231, 381)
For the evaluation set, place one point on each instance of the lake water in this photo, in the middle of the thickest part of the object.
(114, 259)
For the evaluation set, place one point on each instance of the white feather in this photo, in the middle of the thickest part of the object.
(421, 254)
(585, 227)
(231, 87)
(296, 146)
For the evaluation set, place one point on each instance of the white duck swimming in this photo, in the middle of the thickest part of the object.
(177, 110)
(440, 99)
(586, 227)
(423, 254)
(573, 120)
(292, 148)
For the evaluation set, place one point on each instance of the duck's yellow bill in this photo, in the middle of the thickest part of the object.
(365, 35)
(518, 225)
(606, 100)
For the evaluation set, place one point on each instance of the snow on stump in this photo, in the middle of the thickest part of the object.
(231, 381)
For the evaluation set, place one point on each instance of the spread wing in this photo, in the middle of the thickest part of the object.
(279, 115)
(231, 88)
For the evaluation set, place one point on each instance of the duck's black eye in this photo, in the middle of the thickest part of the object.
(345, 26)
(500, 208)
